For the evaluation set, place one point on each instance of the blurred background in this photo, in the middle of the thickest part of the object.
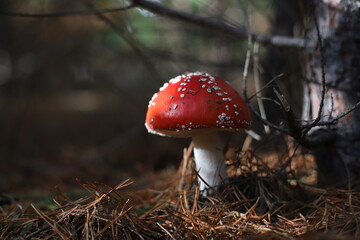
(74, 89)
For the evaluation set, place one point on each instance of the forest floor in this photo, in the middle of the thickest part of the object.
(262, 201)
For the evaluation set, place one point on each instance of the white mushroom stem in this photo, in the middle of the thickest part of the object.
(209, 159)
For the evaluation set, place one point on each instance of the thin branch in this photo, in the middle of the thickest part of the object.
(123, 33)
(248, 54)
(289, 160)
(211, 23)
(280, 41)
(282, 100)
(166, 231)
(65, 14)
(323, 80)
(257, 85)
(333, 120)
(266, 122)
(246, 69)
(245, 75)
(265, 87)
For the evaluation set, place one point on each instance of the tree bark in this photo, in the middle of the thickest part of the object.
(335, 58)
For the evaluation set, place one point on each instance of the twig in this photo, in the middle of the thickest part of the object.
(210, 23)
(280, 41)
(353, 214)
(323, 80)
(244, 83)
(264, 87)
(282, 100)
(289, 160)
(186, 156)
(257, 85)
(317, 122)
(51, 223)
(248, 54)
(166, 231)
(264, 121)
(292, 125)
(123, 33)
(246, 67)
(333, 120)
(111, 222)
(65, 14)
(33, 234)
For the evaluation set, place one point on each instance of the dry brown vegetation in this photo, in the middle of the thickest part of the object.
(259, 203)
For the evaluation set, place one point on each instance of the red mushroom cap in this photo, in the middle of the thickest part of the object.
(196, 102)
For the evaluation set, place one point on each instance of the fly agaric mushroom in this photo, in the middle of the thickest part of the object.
(199, 105)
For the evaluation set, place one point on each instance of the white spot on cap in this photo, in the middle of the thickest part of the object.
(182, 95)
(164, 86)
(154, 96)
(222, 116)
(227, 99)
(151, 102)
(174, 106)
(175, 80)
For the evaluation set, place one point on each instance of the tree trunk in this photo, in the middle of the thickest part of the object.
(336, 147)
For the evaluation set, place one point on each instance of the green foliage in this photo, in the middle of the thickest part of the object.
(145, 31)
(113, 41)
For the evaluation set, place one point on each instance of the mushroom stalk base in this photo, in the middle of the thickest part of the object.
(209, 159)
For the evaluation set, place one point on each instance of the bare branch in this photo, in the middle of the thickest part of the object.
(248, 54)
(257, 85)
(333, 120)
(280, 41)
(211, 23)
(283, 102)
(323, 80)
(65, 14)
(266, 122)
(265, 87)
(123, 33)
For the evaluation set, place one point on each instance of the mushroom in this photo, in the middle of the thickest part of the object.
(199, 105)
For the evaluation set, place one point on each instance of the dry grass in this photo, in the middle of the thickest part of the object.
(258, 204)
